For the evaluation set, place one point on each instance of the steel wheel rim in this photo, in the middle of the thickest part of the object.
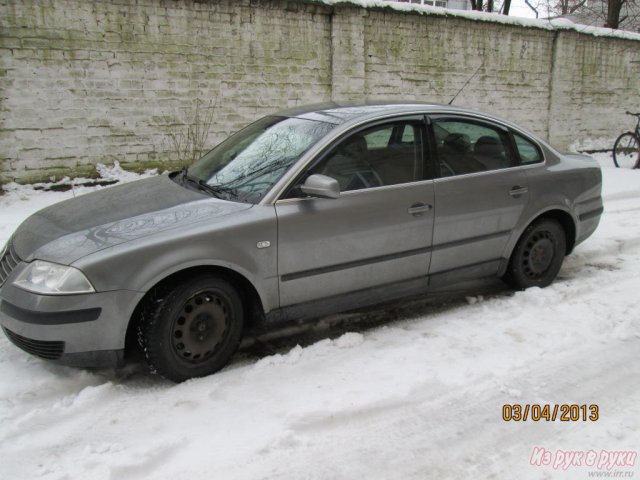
(200, 328)
(538, 254)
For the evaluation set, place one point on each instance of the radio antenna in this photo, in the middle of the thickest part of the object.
(467, 82)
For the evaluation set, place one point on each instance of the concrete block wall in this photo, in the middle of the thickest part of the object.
(433, 58)
(97, 81)
(94, 81)
(593, 83)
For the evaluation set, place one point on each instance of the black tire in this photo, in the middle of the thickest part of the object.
(193, 329)
(626, 151)
(538, 255)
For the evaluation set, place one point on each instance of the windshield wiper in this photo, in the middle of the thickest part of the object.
(216, 190)
(252, 175)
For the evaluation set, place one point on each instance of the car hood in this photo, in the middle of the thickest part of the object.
(72, 229)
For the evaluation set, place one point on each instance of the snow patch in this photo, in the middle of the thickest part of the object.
(348, 340)
(290, 358)
(420, 397)
(116, 173)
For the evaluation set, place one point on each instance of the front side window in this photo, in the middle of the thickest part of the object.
(466, 146)
(246, 165)
(387, 154)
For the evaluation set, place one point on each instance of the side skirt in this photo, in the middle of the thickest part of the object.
(467, 272)
(348, 301)
(378, 295)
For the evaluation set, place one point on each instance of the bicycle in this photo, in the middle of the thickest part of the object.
(626, 150)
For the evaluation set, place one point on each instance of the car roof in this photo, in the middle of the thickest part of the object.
(338, 113)
(352, 113)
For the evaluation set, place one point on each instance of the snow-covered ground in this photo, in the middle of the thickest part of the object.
(419, 396)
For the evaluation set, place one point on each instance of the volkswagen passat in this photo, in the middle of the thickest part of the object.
(302, 213)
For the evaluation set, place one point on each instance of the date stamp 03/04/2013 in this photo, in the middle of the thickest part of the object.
(550, 413)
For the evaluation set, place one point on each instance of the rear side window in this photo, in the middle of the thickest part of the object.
(528, 151)
(466, 146)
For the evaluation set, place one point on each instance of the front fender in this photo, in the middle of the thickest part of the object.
(141, 264)
(267, 288)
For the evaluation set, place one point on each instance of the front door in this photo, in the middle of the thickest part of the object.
(379, 230)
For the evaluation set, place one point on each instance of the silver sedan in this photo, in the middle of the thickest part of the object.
(303, 213)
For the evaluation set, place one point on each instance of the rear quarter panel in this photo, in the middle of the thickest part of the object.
(569, 183)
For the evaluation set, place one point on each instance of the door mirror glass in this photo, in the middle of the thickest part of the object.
(321, 186)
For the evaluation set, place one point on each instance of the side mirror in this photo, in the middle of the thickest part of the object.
(321, 186)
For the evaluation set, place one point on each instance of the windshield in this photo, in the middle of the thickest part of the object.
(246, 165)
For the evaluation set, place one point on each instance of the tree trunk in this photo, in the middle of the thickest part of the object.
(613, 13)
(506, 6)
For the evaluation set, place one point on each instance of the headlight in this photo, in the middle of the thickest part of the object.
(53, 279)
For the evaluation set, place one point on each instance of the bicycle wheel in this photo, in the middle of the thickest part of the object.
(626, 151)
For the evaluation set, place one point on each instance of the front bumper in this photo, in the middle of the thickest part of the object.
(86, 330)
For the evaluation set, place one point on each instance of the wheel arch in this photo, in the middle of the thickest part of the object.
(568, 223)
(250, 296)
(561, 215)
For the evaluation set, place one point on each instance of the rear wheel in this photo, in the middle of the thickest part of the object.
(193, 330)
(626, 151)
(538, 256)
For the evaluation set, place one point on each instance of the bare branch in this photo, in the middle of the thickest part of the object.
(577, 6)
(187, 134)
(535, 10)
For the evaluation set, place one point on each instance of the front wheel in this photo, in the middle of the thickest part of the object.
(538, 255)
(626, 151)
(193, 329)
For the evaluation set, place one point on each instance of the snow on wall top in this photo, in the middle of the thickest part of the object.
(555, 24)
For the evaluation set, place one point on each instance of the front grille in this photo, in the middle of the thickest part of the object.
(8, 262)
(39, 348)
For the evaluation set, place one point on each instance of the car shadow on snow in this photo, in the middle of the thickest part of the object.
(283, 338)
(286, 336)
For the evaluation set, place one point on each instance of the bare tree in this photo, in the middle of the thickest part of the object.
(533, 6)
(187, 132)
(554, 8)
(614, 17)
(567, 7)
(617, 14)
(491, 6)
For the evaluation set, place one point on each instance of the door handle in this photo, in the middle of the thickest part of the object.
(518, 191)
(418, 209)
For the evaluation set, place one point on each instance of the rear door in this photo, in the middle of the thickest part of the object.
(479, 197)
(378, 232)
